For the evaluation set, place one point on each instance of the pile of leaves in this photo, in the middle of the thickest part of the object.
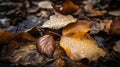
(53, 33)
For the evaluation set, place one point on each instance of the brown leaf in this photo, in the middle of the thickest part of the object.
(68, 7)
(57, 63)
(46, 45)
(5, 36)
(80, 46)
(107, 24)
(75, 64)
(115, 26)
(117, 46)
(58, 52)
(24, 37)
(80, 26)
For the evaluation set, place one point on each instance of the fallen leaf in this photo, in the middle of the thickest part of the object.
(117, 46)
(57, 63)
(5, 36)
(80, 26)
(58, 21)
(115, 26)
(115, 13)
(25, 55)
(68, 7)
(58, 52)
(96, 13)
(45, 4)
(78, 47)
(91, 2)
(24, 37)
(46, 45)
(75, 64)
(107, 24)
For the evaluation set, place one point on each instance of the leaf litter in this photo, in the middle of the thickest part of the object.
(63, 33)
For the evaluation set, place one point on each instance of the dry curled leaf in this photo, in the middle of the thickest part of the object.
(46, 45)
(78, 47)
(115, 26)
(58, 21)
(5, 36)
(68, 7)
(80, 26)
(117, 46)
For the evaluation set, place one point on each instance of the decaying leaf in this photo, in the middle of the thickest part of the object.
(80, 26)
(45, 4)
(46, 45)
(57, 63)
(24, 37)
(58, 51)
(75, 64)
(68, 7)
(107, 24)
(25, 55)
(117, 46)
(5, 36)
(115, 26)
(58, 21)
(80, 46)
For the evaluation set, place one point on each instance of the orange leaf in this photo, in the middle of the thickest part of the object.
(80, 26)
(81, 46)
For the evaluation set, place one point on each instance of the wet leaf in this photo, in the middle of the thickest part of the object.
(80, 26)
(117, 46)
(68, 7)
(58, 21)
(80, 46)
(115, 26)
(5, 36)
(46, 45)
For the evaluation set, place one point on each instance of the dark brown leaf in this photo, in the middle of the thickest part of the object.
(68, 7)
(5, 36)
(115, 26)
(24, 37)
(46, 45)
